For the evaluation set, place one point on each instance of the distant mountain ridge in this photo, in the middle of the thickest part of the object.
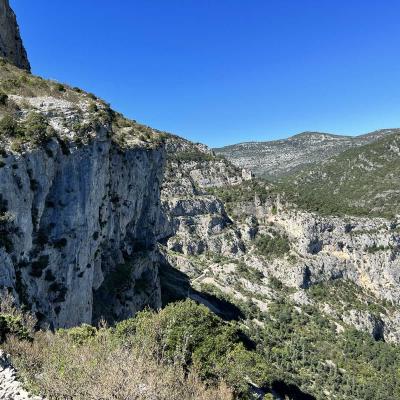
(278, 158)
(363, 180)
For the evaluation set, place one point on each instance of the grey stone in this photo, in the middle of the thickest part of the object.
(11, 46)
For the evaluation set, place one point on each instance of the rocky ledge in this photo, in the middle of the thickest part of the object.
(10, 387)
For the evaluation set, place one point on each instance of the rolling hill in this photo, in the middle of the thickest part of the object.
(278, 158)
(362, 180)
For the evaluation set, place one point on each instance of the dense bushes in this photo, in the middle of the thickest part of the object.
(273, 246)
(7, 229)
(103, 368)
(359, 181)
(14, 322)
(185, 352)
(80, 334)
(8, 126)
(169, 353)
(35, 129)
(192, 156)
(308, 350)
(245, 192)
(13, 325)
(194, 336)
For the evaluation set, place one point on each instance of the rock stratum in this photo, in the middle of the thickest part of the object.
(11, 46)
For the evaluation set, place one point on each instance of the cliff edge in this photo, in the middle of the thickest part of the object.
(11, 46)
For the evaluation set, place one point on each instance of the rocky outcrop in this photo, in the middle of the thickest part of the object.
(78, 222)
(195, 221)
(363, 250)
(219, 249)
(10, 387)
(11, 47)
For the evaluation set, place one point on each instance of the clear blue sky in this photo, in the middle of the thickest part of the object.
(226, 71)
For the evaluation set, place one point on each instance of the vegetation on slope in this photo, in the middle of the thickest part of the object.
(276, 159)
(361, 181)
(246, 192)
(272, 246)
(309, 352)
(344, 295)
(182, 352)
(22, 124)
(185, 351)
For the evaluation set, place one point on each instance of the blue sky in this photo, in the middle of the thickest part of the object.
(226, 71)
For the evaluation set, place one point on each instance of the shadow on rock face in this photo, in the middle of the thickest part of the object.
(175, 286)
(283, 390)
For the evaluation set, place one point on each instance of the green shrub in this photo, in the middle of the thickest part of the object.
(13, 325)
(275, 283)
(249, 273)
(273, 246)
(60, 87)
(7, 230)
(375, 248)
(80, 334)
(126, 329)
(14, 321)
(3, 98)
(37, 128)
(8, 126)
(93, 108)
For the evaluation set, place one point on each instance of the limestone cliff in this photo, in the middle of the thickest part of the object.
(11, 46)
(79, 202)
(195, 221)
(216, 218)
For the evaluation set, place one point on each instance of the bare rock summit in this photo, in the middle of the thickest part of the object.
(11, 46)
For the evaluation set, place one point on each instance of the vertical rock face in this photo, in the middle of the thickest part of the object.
(78, 213)
(195, 221)
(11, 46)
(82, 229)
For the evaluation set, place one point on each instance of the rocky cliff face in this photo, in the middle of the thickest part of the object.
(196, 221)
(76, 218)
(11, 46)
(78, 211)
(216, 218)
(363, 251)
